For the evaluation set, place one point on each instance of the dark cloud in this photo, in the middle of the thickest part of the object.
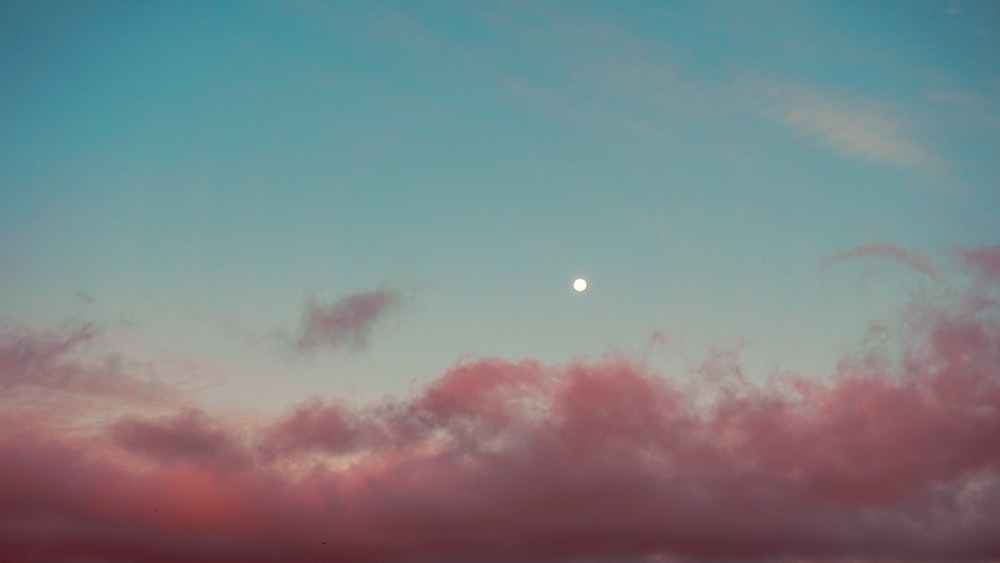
(346, 323)
(186, 437)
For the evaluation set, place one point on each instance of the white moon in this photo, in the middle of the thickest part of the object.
(580, 285)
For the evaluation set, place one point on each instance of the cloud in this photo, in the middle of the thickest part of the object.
(187, 437)
(346, 323)
(984, 262)
(38, 360)
(312, 426)
(887, 251)
(892, 458)
(851, 125)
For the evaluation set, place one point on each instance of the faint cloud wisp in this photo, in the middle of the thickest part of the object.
(851, 125)
(891, 252)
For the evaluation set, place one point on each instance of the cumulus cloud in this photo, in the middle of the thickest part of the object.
(346, 323)
(851, 125)
(495, 460)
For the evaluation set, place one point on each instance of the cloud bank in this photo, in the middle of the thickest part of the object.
(892, 458)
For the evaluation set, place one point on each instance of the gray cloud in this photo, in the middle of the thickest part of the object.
(346, 323)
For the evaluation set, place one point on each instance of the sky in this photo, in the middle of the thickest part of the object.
(292, 280)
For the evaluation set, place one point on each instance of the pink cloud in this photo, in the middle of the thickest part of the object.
(893, 459)
(186, 437)
(983, 261)
(346, 323)
(56, 361)
(29, 358)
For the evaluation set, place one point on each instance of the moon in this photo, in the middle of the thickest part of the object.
(580, 285)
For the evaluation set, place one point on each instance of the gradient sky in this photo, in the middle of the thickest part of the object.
(252, 204)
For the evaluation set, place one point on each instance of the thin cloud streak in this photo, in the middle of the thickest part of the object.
(891, 252)
(893, 458)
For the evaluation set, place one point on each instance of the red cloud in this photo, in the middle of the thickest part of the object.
(895, 459)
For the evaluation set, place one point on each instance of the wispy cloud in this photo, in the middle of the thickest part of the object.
(623, 78)
(851, 125)
(983, 261)
(346, 323)
(892, 459)
(54, 361)
(886, 251)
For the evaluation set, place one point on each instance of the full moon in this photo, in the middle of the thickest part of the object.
(580, 284)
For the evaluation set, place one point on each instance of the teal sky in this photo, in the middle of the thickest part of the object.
(186, 175)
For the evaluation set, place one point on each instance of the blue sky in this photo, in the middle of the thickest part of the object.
(188, 175)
